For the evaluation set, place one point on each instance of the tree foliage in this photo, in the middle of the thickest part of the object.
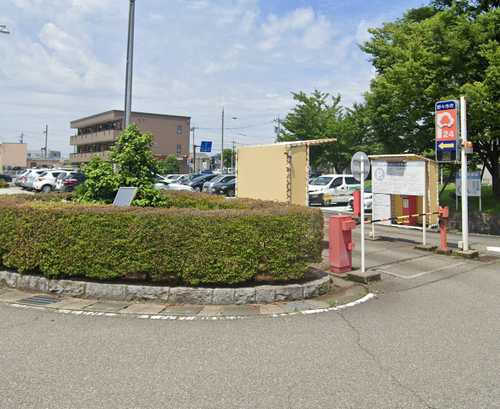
(131, 164)
(320, 116)
(442, 51)
(168, 165)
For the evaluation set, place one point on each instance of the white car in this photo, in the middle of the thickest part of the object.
(330, 189)
(173, 178)
(46, 181)
(368, 201)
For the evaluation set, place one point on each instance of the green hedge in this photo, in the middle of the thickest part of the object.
(229, 244)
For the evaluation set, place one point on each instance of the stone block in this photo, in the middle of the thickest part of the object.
(8, 279)
(67, 287)
(311, 290)
(244, 295)
(107, 291)
(23, 282)
(186, 295)
(289, 292)
(223, 296)
(265, 294)
(147, 292)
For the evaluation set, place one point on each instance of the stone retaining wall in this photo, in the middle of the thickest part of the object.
(174, 295)
(483, 223)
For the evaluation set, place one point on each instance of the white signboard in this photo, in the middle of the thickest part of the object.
(381, 207)
(473, 184)
(398, 178)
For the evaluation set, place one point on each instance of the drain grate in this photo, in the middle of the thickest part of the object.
(39, 300)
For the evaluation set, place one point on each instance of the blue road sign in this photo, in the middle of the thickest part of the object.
(206, 146)
(446, 146)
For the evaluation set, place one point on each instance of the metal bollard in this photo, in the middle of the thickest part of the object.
(443, 233)
(341, 244)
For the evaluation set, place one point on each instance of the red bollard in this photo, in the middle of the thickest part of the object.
(443, 234)
(356, 203)
(341, 245)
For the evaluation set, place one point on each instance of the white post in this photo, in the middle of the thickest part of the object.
(362, 216)
(424, 210)
(465, 194)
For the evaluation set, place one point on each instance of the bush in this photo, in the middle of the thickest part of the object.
(3, 184)
(229, 244)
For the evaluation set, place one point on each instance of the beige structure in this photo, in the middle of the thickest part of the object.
(97, 133)
(278, 172)
(13, 155)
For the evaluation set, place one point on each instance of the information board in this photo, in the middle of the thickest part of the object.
(206, 146)
(398, 178)
(124, 196)
(381, 207)
(447, 130)
(473, 184)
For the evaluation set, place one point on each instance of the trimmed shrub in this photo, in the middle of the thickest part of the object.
(199, 240)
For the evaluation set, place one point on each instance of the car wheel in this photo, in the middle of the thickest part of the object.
(230, 193)
(197, 189)
(46, 188)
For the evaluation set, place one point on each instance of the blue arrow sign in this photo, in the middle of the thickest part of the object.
(446, 146)
(206, 146)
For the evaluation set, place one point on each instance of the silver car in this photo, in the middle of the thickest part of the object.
(208, 186)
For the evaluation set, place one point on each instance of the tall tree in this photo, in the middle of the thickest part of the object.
(448, 49)
(319, 116)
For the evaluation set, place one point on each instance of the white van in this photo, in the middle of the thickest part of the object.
(330, 189)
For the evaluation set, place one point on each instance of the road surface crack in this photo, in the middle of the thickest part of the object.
(381, 367)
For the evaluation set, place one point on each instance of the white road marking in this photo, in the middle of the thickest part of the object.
(493, 249)
(422, 273)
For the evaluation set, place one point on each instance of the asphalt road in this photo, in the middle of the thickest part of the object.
(427, 343)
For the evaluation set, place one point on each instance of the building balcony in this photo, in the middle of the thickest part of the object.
(86, 157)
(110, 135)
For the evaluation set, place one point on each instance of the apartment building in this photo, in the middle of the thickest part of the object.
(96, 134)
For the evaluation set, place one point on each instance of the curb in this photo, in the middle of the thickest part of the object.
(163, 317)
(264, 294)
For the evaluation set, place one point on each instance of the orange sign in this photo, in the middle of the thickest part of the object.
(446, 121)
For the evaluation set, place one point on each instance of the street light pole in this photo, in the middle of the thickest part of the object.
(130, 62)
(222, 145)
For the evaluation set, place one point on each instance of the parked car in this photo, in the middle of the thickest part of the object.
(172, 178)
(31, 177)
(330, 189)
(197, 183)
(208, 186)
(183, 182)
(21, 177)
(368, 201)
(226, 187)
(5, 178)
(67, 181)
(46, 181)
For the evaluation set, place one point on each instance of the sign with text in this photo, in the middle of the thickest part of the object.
(447, 130)
(206, 146)
(398, 178)
(473, 184)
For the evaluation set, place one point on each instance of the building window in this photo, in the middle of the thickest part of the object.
(179, 129)
(179, 149)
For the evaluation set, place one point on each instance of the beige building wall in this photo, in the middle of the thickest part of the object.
(262, 173)
(299, 174)
(13, 155)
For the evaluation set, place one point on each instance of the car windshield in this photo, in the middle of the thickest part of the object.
(321, 181)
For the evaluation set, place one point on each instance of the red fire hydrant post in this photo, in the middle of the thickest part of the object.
(341, 244)
(443, 233)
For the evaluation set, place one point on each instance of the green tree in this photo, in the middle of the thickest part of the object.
(168, 165)
(319, 116)
(131, 164)
(437, 52)
(228, 153)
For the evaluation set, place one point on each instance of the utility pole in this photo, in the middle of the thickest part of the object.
(193, 144)
(46, 133)
(222, 145)
(278, 127)
(21, 138)
(232, 158)
(130, 63)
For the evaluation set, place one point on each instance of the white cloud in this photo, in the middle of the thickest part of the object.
(67, 60)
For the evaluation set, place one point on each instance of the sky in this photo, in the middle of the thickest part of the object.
(65, 59)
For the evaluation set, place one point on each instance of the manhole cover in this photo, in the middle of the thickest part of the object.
(39, 300)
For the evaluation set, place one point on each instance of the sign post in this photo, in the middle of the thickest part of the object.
(360, 167)
(447, 131)
(465, 204)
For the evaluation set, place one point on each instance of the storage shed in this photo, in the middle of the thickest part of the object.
(278, 171)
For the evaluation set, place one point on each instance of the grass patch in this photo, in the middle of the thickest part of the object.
(490, 204)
